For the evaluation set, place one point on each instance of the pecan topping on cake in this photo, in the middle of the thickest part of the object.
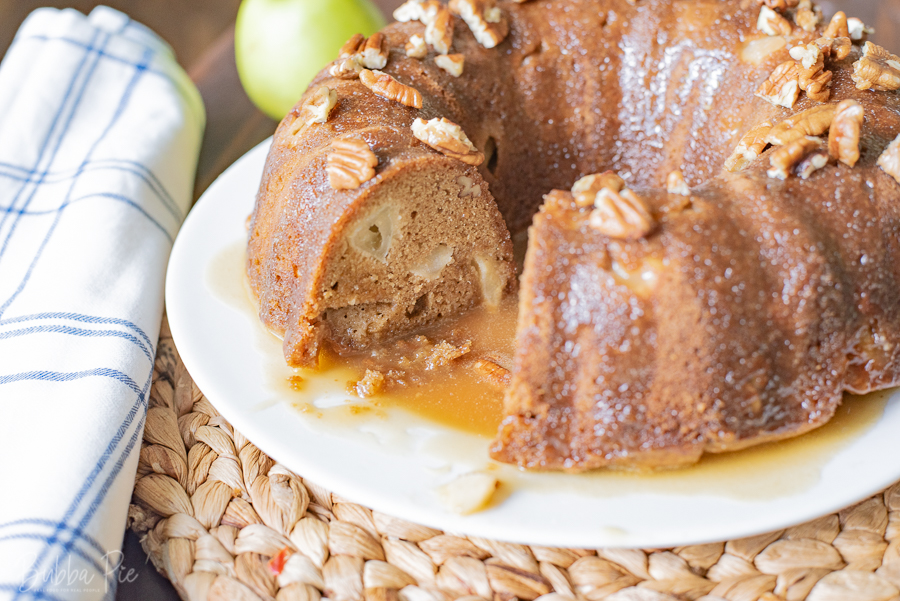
(387, 87)
(675, 184)
(350, 163)
(837, 28)
(791, 155)
(807, 55)
(771, 23)
(835, 48)
(416, 47)
(448, 138)
(814, 121)
(346, 68)
(436, 17)
(451, 63)
(585, 189)
(783, 86)
(316, 109)
(878, 69)
(623, 215)
(750, 147)
(360, 52)
(806, 17)
(858, 29)
(843, 139)
(889, 160)
(484, 18)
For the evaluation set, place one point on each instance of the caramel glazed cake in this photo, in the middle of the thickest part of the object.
(725, 266)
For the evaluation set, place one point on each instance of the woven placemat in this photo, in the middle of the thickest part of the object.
(223, 521)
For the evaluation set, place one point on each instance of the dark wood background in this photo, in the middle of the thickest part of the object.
(201, 32)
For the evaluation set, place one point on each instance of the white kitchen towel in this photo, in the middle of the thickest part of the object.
(100, 130)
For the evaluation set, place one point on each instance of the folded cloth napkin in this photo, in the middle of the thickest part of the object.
(99, 136)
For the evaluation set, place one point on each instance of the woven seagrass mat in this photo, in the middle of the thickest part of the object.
(212, 511)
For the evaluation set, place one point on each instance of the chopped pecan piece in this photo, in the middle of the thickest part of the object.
(858, 30)
(416, 47)
(784, 159)
(316, 109)
(843, 139)
(451, 63)
(436, 17)
(812, 163)
(783, 86)
(484, 18)
(447, 137)
(771, 23)
(350, 163)
(889, 160)
(374, 53)
(370, 385)
(675, 184)
(750, 147)
(814, 121)
(352, 45)
(387, 87)
(878, 69)
(346, 68)
(780, 5)
(807, 55)
(835, 48)
(585, 189)
(417, 10)
(444, 353)
(439, 31)
(498, 376)
(622, 215)
(807, 17)
(837, 28)
(816, 82)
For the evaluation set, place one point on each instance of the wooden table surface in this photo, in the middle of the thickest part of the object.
(201, 33)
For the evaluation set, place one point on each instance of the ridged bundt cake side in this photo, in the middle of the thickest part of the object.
(739, 314)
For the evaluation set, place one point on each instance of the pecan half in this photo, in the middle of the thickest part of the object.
(387, 87)
(889, 160)
(837, 27)
(675, 184)
(585, 189)
(350, 163)
(416, 47)
(878, 69)
(623, 215)
(352, 45)
(448, 138)
(750, 147)
(814, 121)
(316, 109)
(451, 63)
(783, 86)
(784, 159)
(843, 139)
(771, 23)
(484, 18)
(374, 52)
(359, 52)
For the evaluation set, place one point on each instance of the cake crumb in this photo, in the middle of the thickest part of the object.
(371, 384)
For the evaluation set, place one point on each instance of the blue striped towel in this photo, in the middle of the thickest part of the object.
(99, 136)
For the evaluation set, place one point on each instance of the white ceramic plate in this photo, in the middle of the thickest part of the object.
(393, 462)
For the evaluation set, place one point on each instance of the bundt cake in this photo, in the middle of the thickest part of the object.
(712, 193)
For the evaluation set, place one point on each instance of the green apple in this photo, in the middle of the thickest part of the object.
(280, 45)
